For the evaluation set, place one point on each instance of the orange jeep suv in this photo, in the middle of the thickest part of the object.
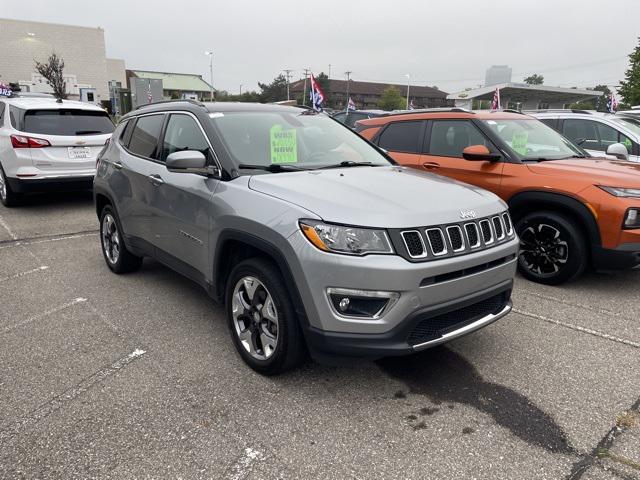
(570, 210)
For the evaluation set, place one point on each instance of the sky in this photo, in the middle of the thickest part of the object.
(448, 44)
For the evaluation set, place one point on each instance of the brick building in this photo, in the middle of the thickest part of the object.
(82, 48)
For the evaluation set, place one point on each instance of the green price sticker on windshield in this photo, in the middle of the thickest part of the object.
(519, 142)
(284, 145)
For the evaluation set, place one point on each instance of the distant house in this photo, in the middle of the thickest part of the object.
(366, 95)
(174, 85)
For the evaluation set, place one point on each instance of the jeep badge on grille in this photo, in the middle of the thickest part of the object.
(464, 214)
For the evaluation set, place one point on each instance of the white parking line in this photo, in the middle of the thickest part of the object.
(44, 314)
(242, 468)
(22, 274)
(5, 225)
(578, 328)
(58, 401)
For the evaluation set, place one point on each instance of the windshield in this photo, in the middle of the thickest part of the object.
(532, 140)
(296, 139)
(68, 122)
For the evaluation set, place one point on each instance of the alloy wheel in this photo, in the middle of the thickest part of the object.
(110, 238)
(255, 318)
(543, 251)
(3, 185)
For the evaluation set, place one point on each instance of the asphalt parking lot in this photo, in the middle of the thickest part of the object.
(135, 376)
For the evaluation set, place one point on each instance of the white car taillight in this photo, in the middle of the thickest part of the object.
(22, 141)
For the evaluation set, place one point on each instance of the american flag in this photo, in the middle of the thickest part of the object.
(612, 104)
(351, 105)
(316, 95)
(149, 94)
(495, 104)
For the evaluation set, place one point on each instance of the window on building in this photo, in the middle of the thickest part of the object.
(402, 137)
(450, 137)
(144, 138)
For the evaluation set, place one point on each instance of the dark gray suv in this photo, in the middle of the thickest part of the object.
(312, 237)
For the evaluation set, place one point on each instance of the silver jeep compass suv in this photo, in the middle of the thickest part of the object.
(314, 239)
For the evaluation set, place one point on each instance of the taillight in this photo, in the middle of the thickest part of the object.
(22, 141)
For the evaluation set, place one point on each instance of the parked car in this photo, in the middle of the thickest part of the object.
(570, 211)
(600, 134)
(312, 237)
(349, 118)
(45, 144)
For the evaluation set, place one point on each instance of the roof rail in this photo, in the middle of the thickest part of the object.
(511, 110)
(428, 110)
(193, 102)
(558, 110)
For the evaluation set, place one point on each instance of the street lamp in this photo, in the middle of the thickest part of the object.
(240, 89)
(408, 87)
(210, 53)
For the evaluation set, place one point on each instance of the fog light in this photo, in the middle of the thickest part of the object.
(632, 219)
(361, 303)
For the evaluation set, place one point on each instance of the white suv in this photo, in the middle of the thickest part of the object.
(598, 133)
(46, 144)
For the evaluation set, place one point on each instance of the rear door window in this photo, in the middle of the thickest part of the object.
(144, 138)
(402, 137)
(67, 122)
(450, 137)
(582, 132)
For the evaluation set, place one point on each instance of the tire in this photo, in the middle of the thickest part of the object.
(118, 258)
(553, 248)
(8, 197)
(265, 333)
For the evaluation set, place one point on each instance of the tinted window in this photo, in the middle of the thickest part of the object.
(67, 122)
(125, 136)
(549, 122)
(183, 133)
(401, 137)
(352, 118)
(144, 138)
(450, 137)
(582, 132)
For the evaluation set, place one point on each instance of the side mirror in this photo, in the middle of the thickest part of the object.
(187, 161)
(479, 153)
(618, 150)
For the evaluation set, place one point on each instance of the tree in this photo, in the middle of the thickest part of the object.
(52, 70)
(600, 103)
(276, 91)
(534, 79)
(391, 99)
(630, 86)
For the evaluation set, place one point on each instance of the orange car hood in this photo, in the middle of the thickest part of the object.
(599, 171)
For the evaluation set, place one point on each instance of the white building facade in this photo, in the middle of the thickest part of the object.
(82, 49)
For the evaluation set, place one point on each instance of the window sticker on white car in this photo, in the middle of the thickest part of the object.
(5, 90)
(284, 145)
(519, 142)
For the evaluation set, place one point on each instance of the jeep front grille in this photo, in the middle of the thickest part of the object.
(441, 241)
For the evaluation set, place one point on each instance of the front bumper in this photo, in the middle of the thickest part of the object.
(335, 348)
(626, 256)
(51, 183)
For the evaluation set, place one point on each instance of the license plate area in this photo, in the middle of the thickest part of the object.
(79, 152)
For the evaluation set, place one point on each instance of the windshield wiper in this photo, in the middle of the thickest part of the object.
(272, 167)
(349, 163)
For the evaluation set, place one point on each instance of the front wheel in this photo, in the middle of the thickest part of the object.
(261, 318)
(553, 248)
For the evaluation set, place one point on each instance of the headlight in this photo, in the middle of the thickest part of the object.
(622, 192)
(632, 218)
(347, 240)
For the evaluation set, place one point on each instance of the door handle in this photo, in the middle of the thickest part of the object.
(118, 165)
(156, 180)
(431, 165)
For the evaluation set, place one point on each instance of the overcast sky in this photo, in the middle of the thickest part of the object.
(447, 43)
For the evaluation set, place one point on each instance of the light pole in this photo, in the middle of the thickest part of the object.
(304, 88)
(408, 87)
(240, 89)
(210, 53)
(348, 74)
(288, 74)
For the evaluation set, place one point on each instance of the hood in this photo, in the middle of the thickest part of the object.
(597, 171)
(389, 197)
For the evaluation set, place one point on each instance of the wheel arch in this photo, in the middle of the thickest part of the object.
(101, 199)
(530, 201)
(234, 246)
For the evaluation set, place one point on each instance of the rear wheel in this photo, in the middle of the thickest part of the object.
(118, 258)
(7, 196)
(553, 248)
(261, 318)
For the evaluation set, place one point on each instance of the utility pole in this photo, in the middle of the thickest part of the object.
(408, 87)
(348, 74)
(241, 89)
(288, 74)
(210, 53)
(304, 89)
(329, 74)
